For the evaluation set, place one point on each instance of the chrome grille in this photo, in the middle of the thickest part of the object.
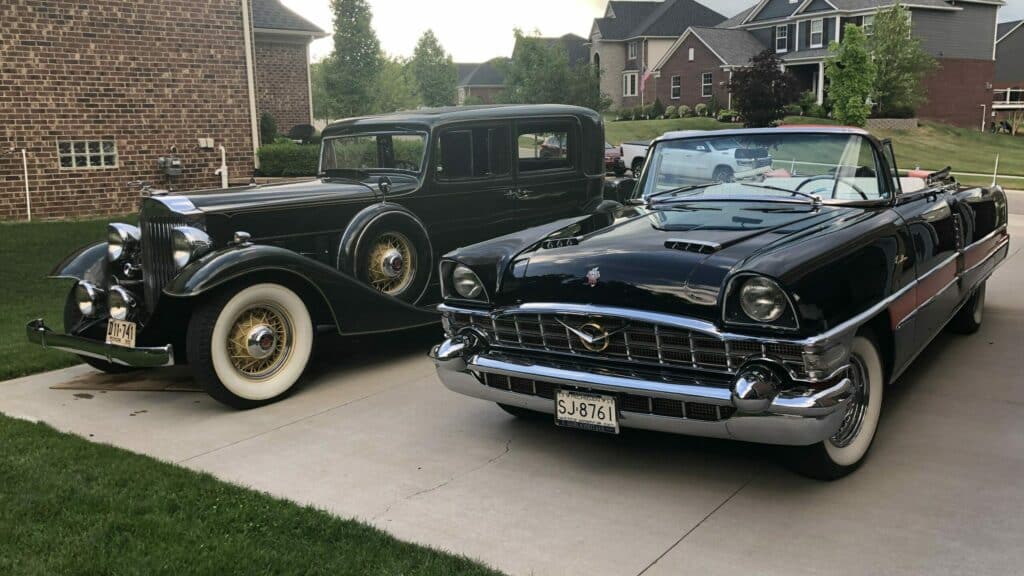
(636, 342)
(157, 264)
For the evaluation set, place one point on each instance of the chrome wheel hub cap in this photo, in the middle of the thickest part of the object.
(392, 263)
(857, 407)
(261, 342)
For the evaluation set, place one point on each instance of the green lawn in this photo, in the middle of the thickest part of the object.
(69, 506)
(933, 146)
(28, 252)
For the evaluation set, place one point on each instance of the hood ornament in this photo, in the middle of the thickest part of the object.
(593, 276)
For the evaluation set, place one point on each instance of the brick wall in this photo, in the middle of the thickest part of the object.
(149, 75)
(957, 91)
(690, 76)
(282, 82)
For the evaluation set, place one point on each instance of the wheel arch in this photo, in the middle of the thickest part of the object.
(879, 330)
(348, 246)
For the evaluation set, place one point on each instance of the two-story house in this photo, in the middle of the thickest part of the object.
(1009, 82)
(631, 36)
(960, 34)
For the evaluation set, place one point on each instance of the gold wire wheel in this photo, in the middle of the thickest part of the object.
(259, 341)
(391, 265)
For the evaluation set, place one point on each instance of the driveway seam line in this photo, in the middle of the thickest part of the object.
(695, 526)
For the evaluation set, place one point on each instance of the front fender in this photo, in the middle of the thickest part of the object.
(355, 307)
(88, 263)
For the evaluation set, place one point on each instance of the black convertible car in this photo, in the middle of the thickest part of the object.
(236, 283)
(771, 306)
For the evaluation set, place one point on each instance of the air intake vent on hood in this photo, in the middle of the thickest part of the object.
(559, 243)
(697, 246)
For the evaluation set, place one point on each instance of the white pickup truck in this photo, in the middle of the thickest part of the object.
(715, 159)
(633, 154)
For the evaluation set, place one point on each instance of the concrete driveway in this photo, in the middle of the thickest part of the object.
(376, 437)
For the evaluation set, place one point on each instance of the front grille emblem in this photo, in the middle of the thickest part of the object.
(593, 276)
(593, 336)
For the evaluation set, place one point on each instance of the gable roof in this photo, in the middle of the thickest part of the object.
(1006, 28)
(732, 47)
(668, 18)
(272, 15)
(484, 74)
(746, 16)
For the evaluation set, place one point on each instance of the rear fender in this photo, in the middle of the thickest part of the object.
(355, 307)
(88, 263)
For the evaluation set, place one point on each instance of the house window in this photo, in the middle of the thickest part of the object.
(632, 50)
(707, 85)
(817, 33)
(677, 87)
(82, 154)
(869, 24)
(691, 54)
(782, 38)
(629, 84)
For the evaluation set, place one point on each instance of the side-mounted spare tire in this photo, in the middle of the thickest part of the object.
(394, 256)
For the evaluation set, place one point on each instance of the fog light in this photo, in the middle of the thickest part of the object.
(86, 296)
(754, 390)
(120, 302)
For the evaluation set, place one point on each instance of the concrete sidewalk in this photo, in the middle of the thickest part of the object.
(376, 437)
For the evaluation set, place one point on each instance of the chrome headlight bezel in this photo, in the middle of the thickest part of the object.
(122, 240)
(187, 245)
(87, 298)
(741, 303)
(460, 282)
(120, 303)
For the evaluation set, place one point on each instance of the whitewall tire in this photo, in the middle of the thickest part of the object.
(249, 347)
(846, 449)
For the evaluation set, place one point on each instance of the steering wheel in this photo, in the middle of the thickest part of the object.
(406, 165)
(856, 188)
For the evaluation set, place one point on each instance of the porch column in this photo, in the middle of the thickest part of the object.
(821, 82)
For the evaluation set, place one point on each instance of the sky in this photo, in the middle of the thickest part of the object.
(478, 30)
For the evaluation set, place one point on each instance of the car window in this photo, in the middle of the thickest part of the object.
(374, 152)
(550, 146)
(473, 153)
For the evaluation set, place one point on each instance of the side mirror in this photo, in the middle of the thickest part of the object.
(385, 185)
(619, 189)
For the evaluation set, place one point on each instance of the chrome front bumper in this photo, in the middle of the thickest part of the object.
(157, 357)
(796, 417)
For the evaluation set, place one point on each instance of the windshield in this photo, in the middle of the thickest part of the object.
(374, 152)
(833, 167)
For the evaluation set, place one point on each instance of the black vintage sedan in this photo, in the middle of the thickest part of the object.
(236, 283)
(772, 306)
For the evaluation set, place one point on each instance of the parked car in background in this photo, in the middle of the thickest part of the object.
(773, 308)
(633, 154)
(237, 283)
(613, 160)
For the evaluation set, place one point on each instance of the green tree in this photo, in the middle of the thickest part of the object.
(434, 71)
(851, 73)
(318, 72)
(900, 61)
(539, 73)
(762, 90)
(395, 88)
(355, 64)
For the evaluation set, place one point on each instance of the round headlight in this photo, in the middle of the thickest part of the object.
(187, 244)
(762, 300)
(121, 239)
(86, 297)
(466, 283)
(119, 303)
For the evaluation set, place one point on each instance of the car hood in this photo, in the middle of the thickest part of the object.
(251, 197)
(674, 260)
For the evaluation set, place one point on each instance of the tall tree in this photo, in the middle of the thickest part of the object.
(396, 87)
(851, 73)
(539, 73)
(900, 61)
(355, 63)
(435, 73)
(762, 90)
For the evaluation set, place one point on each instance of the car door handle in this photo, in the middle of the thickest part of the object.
(524, 194)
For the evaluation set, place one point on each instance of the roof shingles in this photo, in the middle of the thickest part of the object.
(667, 18)
(272, 15)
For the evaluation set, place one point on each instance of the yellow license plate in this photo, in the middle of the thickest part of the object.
(121, 333)
(594, 412)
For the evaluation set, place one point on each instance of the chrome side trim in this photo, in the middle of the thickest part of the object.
(37, 333)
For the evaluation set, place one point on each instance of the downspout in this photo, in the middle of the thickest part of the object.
(223, 170)
(28, 198)
(309, 82)
(251, 79)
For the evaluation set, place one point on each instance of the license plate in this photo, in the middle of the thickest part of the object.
(586, 411)
(121, 333)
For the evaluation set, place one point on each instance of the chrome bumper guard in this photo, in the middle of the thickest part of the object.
(157, 357)
(797, 417)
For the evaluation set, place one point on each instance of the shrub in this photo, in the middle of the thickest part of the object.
(649, 111)
(728, 116)
(657, 109)
(289, 159)
(268, 128)
(701, 109)
(685, 111)
(817, 111)
(795, 110)
(807, 100)
(671, 112)
(638, 113)
(714, 107)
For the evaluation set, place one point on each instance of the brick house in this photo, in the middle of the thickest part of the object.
(631, 36)
(959, 34)
(96, 92)
(480, 83)
(1009, 82)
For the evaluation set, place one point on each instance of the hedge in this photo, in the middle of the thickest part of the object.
(289, 159)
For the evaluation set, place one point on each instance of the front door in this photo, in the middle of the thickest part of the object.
(472, 176)
(549, 172)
